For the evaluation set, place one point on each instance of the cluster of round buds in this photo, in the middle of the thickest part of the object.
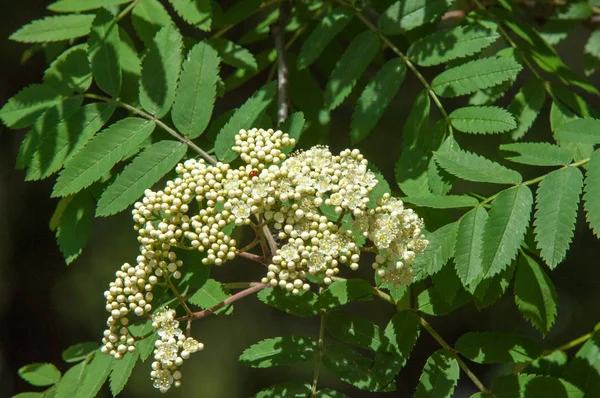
(397, 235)
(259, 147)
(171, 349)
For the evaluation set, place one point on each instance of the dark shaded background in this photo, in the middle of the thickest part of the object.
(46, 306)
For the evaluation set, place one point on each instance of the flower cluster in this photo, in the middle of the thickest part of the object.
(171, 349)
(319, 206)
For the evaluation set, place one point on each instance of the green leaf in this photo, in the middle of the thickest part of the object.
(329, 26)
(349, 366)
(355, 330)
(75, 226)
(279, 351)
(442, 202)
(403, 16)
(472, 167)
(440, 376)
(104, 48)
(209, 295)
(148, 17)
(83, 5)
(475, 75)
(233, 54)
(96, 374)
(447, 283)
(302, 304)
(78, 352)
(505, 228)
(294, 125)
(437, 253)
(487, 291)
(40, 374)
(27, 105)
(71, 380)
(55, 28)
(493, 347)
(243, 118)
(359, 54)
(289, 389)
(101, 153)
(144, 347)
(580, 130)
(557, 200)
(70, 71)
(328, 393)
(195, 96)
(375, 98)
(526, 106)
(527, 385)
(342, 292)
(584, 369)
(552, 364)
(146, 169)
(121, 371)
(58, 145)
(411, 168)
(469, 245)
(449, 44)
(195, 12)
(535, 294)
(592, 193)
(538, 153)
(160, 71)
(482, 120)
(431, 302)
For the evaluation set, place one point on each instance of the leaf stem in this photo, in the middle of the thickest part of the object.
(453, 352)
(573, 343)
(158, 122)
(320, 349)
(405, 59)
(240, 285)
(125, 11)
(238, 296)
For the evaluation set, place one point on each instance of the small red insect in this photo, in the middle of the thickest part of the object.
(253, 173)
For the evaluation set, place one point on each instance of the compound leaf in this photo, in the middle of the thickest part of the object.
(104, 48)
(442, 202)
(195, 12)
(592, 192)
(586, 131)
(538, 153)
(493, 347)
(438, 252)
(472, 167)
(469, 245)
(355, 330)
(40, 374)
(482, 120)
(75, 226)
(440, 376)
(83, 5)
(121, 371)
(54, 28)
(403, 16)
(279, 351)
(526, 106)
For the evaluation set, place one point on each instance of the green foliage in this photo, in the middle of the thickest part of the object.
(62, 27)
(472, 167)
(290, 389)
(489, 347)
(145, 169)
(121, 371)
(526, 106)
(469, 245)
(79, 352)
(438, 252)
(404, 16)
(279, 351)
(209, 295)
(482, 120)
(70, 71)
(442, 202)
(355, 330)
(439, 377)
(194, 12)
(538, 153)
(535, 294)
(592, 190)
(104, 52)
(75, 226)
(40, 374)
(303, 305)
(342, 292)
(557, 201)
(580, 130)
(82, 5)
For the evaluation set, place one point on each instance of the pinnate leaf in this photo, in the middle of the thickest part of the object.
(359, 54)
(243, 118)
(160, 71)
(403, 16)
(535, 294)
(469, 245)
(75, 226)
(475, 75)
(121, 371)
(78, 352)
(526, 106)
(55, 28)
(538, 153)
(27, 105)
(83, 5)
(209, 295)
(194, 12)
(442, 202)
(375, 98)
(289, 389)
(96, 374)
(448, 44)
(482, 120)
(71, 381)
(584, 369)
(328, 393)
(557, 200)
(528, 385)
(592, 192)
(40, 374)
(355, 330)
(438, 252)
(493, 347)
(329, 26)
(472, 167)
(440, 376)
(233, 54)
(279, 351)
(59, 144)
(302, 304)
(505, 228)
(350, 366)
(70, 71)
(101, 153)
(145, 169)
(586, 131)
(195, 96)
(104, 49)
(342, 292)
(148, 17)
